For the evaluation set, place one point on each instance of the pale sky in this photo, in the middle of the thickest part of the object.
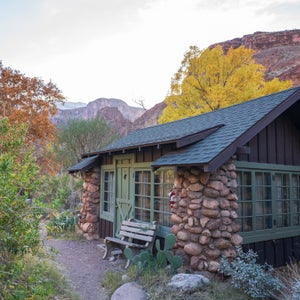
(125, 49)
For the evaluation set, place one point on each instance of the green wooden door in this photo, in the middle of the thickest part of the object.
(124, 193)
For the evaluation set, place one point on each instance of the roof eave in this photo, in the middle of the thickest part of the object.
(229, 151)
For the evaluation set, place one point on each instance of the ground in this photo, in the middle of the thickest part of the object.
(82, 263)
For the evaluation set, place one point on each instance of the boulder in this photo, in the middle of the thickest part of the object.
(129, 290)
(188, 282)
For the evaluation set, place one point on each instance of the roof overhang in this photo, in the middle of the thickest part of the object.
(85, 164)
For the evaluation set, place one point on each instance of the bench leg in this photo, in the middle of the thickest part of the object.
(127, 263)
(108, 249)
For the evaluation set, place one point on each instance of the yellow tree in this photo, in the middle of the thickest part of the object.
(31, 101)
(211, 79)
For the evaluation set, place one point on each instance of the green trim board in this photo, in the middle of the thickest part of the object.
(149, 192)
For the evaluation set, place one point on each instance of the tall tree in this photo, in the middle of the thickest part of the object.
(82, 136)
(211, 79)
(31, 101)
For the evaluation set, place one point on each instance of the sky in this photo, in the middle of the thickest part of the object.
(125, 49)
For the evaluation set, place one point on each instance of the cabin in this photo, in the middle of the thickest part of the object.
(218, 180)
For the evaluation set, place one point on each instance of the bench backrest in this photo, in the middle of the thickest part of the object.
(144, 232)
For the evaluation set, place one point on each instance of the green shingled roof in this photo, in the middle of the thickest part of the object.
(237, 121)
(85, 164)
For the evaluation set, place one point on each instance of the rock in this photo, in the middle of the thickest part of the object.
(203, 221)
(183, 235)
(236, 240)
(211, 193)
(210, 203)
(129, 290)
(193, 249)
(176, 219)
(183, 203)
(188, 282)
(216, 185)
(196, 187)
(222, 243)
(211, 213)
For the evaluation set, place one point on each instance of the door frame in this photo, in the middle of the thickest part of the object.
(124, 203)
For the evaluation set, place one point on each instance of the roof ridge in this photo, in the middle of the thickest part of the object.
(221, 109)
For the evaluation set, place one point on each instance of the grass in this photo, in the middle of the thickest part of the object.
(34, 277)
(290, 278)
(156, 286)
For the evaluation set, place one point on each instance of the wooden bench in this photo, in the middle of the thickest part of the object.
(135, 235)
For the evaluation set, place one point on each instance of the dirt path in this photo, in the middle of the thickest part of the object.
(83, 264)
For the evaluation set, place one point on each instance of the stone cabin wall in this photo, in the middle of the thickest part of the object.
(88, 222)
(204, 215)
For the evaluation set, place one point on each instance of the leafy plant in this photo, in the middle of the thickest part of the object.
(65, 221)
(255, 280)
(19, 221)
(31, 277)
(146, 262)
(165, 255)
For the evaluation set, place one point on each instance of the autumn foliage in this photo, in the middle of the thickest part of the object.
(211, 79)
(30, 101)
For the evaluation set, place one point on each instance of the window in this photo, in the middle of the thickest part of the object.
(151, 198)
(163, 182)
(108, 191)
(142, 196)
(269, 201)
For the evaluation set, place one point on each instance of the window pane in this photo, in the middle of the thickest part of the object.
(282, 199)
(108, 192)
(142, 197)
(163, 182)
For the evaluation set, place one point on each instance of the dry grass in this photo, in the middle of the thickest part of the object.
(289, 276)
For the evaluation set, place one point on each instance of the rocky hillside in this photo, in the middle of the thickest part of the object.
(278, 51)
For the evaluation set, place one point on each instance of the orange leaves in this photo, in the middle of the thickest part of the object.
(30, 101)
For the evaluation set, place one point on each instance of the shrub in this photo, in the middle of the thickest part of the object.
(62, 222)
(30, 277)
(147, 263)
(255, 280)
(60, 192)
(290, 277)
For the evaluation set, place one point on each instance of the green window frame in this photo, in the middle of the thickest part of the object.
(269, 201)
(151, 200)
(108, 194)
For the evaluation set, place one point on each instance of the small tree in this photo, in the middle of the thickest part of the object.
(211, 79)
(82, 136)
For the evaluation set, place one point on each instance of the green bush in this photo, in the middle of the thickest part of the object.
(148, 263)
(19, 221)
(31, 277)
(62, 222)
(59, 192)
(255, 280)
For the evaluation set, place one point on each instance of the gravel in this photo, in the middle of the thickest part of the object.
(82, 263)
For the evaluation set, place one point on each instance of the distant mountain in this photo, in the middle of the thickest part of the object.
(278, 51)
(115, 111)
(70, 105)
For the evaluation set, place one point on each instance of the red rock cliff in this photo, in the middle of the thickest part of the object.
(278, 51)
